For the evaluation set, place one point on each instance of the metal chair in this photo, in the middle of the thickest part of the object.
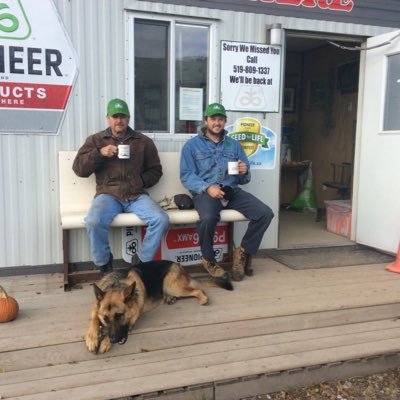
(341, 179)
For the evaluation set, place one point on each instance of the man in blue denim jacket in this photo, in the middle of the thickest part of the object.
(204, 172)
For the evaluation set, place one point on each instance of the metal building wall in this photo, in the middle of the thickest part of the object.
(30, 233)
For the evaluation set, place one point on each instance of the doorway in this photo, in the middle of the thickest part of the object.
(318, 135)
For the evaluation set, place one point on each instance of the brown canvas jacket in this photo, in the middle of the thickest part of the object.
(123, 179)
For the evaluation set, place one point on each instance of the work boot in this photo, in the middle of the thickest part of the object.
(105, 269)
(214, 269)
(239, 263)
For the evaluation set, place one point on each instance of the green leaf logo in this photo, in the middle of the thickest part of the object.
(14, 23)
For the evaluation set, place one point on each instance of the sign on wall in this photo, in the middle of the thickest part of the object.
(250, 76)
(180, 243)
(258, 142)
(335, 5)
(38, 67)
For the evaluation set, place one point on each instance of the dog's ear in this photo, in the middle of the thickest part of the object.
(98, 292)
(130, 292)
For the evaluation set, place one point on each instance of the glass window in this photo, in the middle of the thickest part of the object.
(191, 66)
(151, 75)
(170, 56)
(392, 98)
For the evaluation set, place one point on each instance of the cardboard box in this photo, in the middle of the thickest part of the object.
(338, 213)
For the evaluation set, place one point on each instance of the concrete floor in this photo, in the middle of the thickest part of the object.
(300, 230)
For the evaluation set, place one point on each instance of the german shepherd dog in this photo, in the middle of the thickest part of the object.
(123, 296)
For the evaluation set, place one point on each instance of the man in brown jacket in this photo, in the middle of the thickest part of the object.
(125, 163)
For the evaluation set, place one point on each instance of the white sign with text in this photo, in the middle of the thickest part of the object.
(180, 243)
(250, 76)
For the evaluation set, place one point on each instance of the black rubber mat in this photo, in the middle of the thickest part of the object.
(329, 257)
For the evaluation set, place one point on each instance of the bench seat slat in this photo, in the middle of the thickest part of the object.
(176, 217)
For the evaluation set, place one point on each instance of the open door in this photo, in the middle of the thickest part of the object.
(377, 203)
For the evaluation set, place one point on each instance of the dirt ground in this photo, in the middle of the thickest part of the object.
(383, 386)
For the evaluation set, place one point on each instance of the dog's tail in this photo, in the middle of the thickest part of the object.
(213, 282)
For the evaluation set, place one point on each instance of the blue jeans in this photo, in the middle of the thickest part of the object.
(102, 212)
(258, 213)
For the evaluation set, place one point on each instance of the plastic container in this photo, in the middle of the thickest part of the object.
(338, 213)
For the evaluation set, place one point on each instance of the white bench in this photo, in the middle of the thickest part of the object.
(76, 195)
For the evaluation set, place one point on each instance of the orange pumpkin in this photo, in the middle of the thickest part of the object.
(8, 307)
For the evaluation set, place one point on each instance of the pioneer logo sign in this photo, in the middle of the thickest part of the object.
(335, 5)
(38, 67)
(180, 243)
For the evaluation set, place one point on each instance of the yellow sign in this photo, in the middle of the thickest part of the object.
(248, 132)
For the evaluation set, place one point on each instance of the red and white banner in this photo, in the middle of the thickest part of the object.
(335, 5)
(179, 244)
(21, 95)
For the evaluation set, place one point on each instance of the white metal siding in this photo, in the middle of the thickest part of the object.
(30, 233)
(366, 12)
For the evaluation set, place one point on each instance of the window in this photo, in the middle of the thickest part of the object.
(170, 78)
(151, 76)
(191, 61)
(392, 97)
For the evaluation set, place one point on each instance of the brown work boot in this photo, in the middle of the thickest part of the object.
(239, 263)
(107, 268)
(214, 269)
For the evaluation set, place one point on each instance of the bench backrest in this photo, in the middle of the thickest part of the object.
(76, 194)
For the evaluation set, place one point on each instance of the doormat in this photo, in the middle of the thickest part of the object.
(329, 257)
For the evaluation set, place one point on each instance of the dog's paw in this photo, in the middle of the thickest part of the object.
(92, 342)
(170, 299)
(203, 300)
(105, 345)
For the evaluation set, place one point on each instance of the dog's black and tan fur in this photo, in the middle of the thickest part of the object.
(123, 296)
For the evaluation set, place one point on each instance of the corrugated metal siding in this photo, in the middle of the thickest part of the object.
(367, 12)
(28, 167)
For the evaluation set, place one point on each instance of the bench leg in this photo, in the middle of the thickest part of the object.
(227, 258)
(66, 259)
(231, 242)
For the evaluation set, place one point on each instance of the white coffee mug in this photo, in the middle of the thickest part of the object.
(233, 167)
(124, 151)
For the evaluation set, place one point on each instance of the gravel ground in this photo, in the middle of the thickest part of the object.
(383, 386)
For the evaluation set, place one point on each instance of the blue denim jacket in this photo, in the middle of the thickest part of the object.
(205, 163)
